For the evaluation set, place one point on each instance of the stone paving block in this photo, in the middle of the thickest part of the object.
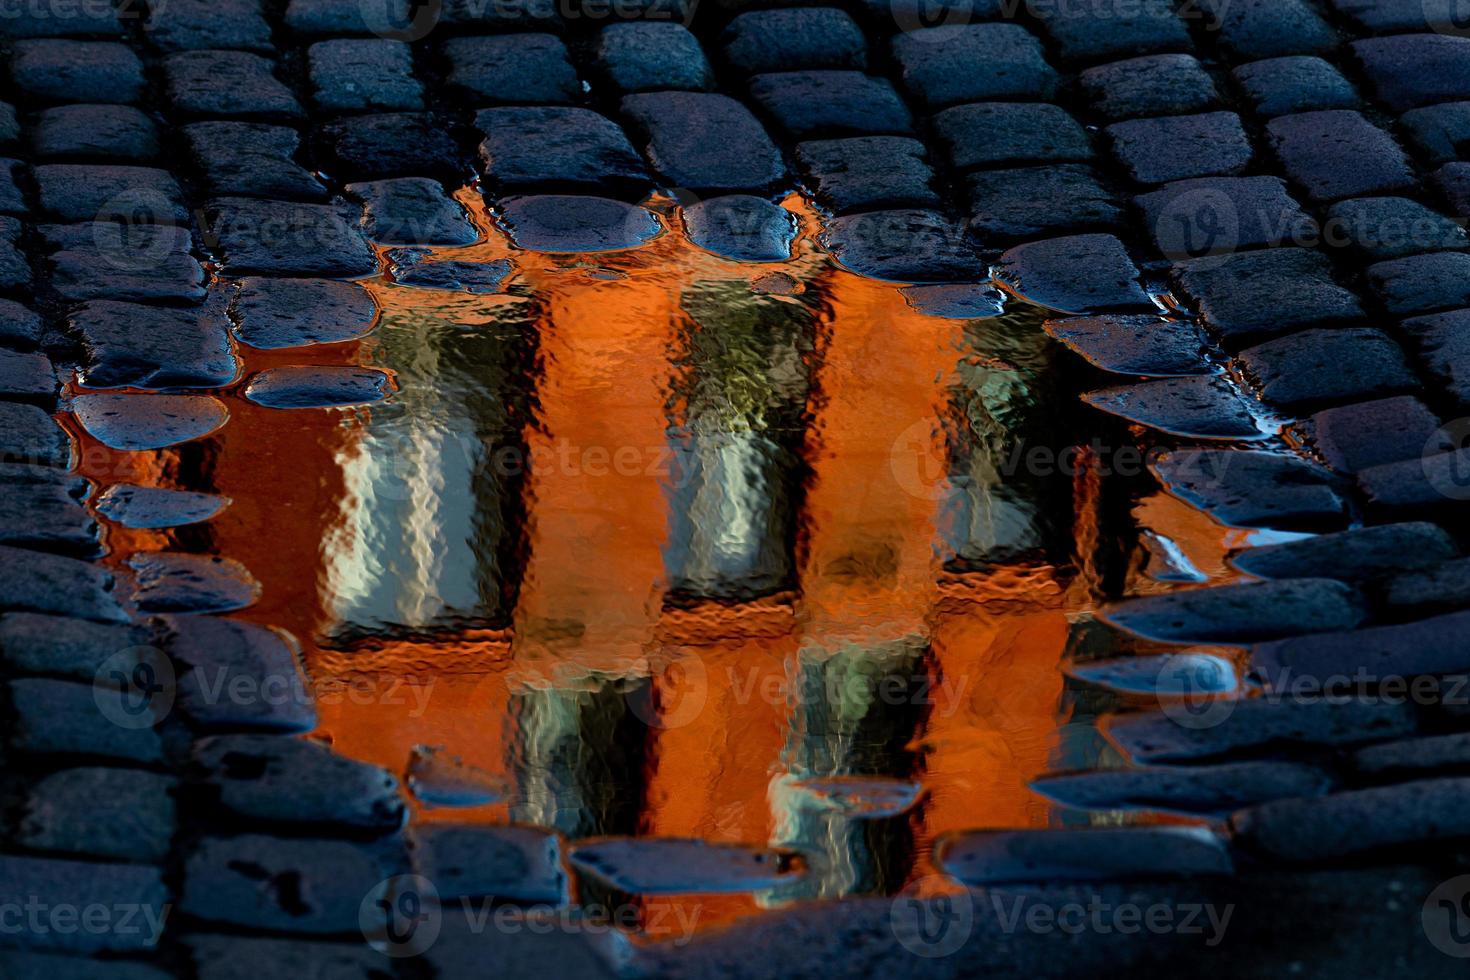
(62, 883)
(411, 211)
(513, 863)
(284, 238)
(95, 132)
(19, 327)
(1227, 292)
(28, 435)
(127, 814)
(1395, 16)
(532, 942)
(742, 227)
(201, 25)
(998, 857)
(565, 223)
(1361, 553)
(280, 885)
(821, 104)
(555, 147)
(15, 270)
(176, 582)
(276, 313)
(1156, 151)
(1258, 724)
(26, 376)
(1297, 83)
(33, 643)
(130, 263)
(237, 676)
(129, 345)
(1321, 367)
(1214, 216)
(1439, 133)
(12, 199)
(902, 245)
(1432, 482)
(1098, 32)
(1202, 407)
(326, 386)
(1210, 789)
(992, 134)
(96, 192)
(1453, 182)
(955, 301)
(673, 127)
(44, 516)
(1422, 283)
(227, 85)
(1154, 85)
(1140, 344)
(1423, 592)
(1414, 70)
(1250, 488)
(864, 173)
(513, 69)
(1391, 228)
(135, 422)
(56, 717)
(391, 144)
(152, 508)
(1242, 613)
(1075, 274)
(1337, 153)
(46, 966)
(251, 159)
(362, 17)
(1355, 437)
(246, 958)
(408, 268)
(362, 74)
(1033, 202)
(679, 865)
(1355, 822)
(76, 71)
(1442, 346)
(293, 781)
(1431, 755)
(9, 125)
(789, 40)
(1251, 29)
(646, 57)
(949, 65)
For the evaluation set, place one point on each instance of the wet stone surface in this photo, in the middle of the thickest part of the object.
(136, 422)
(1134, 344)
(1214, 789)
(517, 864)
(154, 507)
(109, 813)
(167, 582)
(1008, 857)
(1201, 407)
(275, 313)
(313, 387)
(741, 227)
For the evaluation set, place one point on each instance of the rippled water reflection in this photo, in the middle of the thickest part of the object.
(662, 550)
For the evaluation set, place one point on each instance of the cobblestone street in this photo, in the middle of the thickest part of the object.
(709, 488)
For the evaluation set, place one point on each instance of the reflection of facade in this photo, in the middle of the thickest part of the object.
(428, 524)
(742, 390)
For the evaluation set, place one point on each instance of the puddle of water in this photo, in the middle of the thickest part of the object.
(661, 544)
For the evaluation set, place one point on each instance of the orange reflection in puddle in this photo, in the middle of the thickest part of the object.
(682, 716)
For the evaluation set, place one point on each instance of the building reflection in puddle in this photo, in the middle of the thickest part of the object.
(631, 526)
